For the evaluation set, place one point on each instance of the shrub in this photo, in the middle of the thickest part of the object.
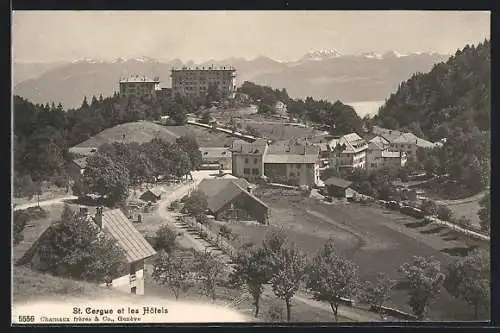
(463, 221)
(202, 218)
(164, 239)
(225, 231)
(444, 213)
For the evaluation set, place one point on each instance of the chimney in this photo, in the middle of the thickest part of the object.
(98, 217)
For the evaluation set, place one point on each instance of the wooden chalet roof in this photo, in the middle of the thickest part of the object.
(135, 246)
(117, 225)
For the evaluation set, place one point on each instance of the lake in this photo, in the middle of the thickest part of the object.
(366, 107)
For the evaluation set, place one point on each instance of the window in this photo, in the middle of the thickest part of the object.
(297, 166)
(292, 174)
(246, 160)
(246, 171)
(373, 165)
(255, 161)
(298, 174)
(255, 171)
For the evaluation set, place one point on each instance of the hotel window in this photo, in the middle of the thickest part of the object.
(255, 171)
(246, 160)
(255, 161)
(297, 166)
(246, 171)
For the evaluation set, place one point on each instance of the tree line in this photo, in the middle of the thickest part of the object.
(339, 118)
(115, 166)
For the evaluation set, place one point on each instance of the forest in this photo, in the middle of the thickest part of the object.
(451, 100)
(339, 118)
(43, 134)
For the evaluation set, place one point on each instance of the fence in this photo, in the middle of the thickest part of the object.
(212, 237)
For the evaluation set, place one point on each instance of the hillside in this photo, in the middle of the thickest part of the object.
(140, 132)
(454, 94)
(30, 285)
(145, 131)
(348, 78)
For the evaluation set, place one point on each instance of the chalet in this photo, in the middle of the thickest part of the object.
(232, 199)
(248, 159)
(152, 195)
(292, 163)
(349, 151)
(338, 187)
(216, 155)
(115, 224)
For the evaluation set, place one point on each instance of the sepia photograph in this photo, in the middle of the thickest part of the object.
(250, 167)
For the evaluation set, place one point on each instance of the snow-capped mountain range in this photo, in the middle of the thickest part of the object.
(325, 74)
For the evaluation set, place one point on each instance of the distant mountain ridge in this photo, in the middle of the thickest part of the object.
(324, 74)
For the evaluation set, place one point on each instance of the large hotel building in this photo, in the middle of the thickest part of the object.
(139, 86)
(195, 81)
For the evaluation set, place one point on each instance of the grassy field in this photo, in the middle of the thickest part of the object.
(469, 210)
(31, 285)
(375, 239)
(204, 136)
(140, 131)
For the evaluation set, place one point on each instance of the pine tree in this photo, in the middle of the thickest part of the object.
(85, 104)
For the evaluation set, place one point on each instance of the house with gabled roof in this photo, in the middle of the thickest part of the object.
(293, 163)
(404, 141)
(152, 194)
(232, 199)
(379, 154)
(248, 159)
(338, 187)
(349, 151)
(114, 223)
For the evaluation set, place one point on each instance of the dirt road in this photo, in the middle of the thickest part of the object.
(45, 202)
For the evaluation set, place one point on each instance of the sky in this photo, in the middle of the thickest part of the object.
(48, 36)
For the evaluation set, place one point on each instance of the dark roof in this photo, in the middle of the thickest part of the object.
(227, 194)
(157, 192)
(135, 246)
(212, 187)
(219, 192)
(338, 182)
